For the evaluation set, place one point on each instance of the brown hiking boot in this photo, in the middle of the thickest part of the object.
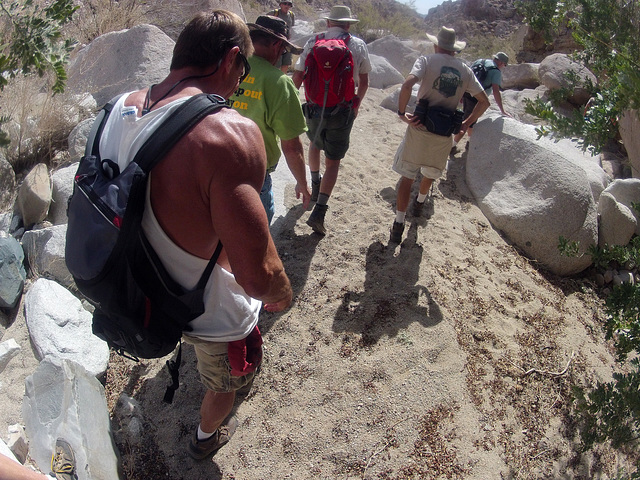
(200, 449)
(63, 461)
(316, 219)
(396, 232)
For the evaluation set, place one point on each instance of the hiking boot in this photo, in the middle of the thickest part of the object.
(396, 232)
(416, 208)
(200, 449)
(315, 190)
(316, 219)
(63, 461)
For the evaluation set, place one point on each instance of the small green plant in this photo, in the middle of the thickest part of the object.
(31, 41)
(610, 411)
(34, 40)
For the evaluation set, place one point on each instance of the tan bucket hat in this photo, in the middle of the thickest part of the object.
(446, 40)
(341, 13)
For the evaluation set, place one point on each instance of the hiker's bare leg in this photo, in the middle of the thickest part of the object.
(457, 137)
(404, 193)
(425, 185)
(216, 406)
(10, 470)
(314, 158)
(330, 176)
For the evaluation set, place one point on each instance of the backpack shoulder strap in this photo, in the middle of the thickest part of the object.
(185, 117)
(93, 139)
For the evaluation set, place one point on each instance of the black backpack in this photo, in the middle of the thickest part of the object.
(140, 311)
(481, 70)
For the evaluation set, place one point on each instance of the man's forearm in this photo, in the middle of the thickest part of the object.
(294, 155)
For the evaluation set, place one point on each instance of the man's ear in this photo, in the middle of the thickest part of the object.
(230, 59)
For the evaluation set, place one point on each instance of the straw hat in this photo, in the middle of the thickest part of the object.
(341, 13)
(276, 27)
(446, 40)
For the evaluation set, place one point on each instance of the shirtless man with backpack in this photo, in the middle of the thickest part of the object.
(206, 191)
(330, 122)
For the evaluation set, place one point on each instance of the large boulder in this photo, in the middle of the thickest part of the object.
(12, 272)
(520, 76)
(34, 195)
(62, 180)
(535, 191)
(630, 134)
(119, 62)
(556, 71)
(391, 101)
(618, 218)
(60, 327)
(383, 74)
(402, 54)
(44, 249)
(63, 400)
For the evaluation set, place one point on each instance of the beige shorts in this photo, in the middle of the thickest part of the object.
(213, 366)
(422, 151)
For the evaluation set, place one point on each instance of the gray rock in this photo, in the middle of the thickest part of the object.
(119, 62)
(618, 219)
(18, 442)
(62, 180)
(63, 400)
(553, 72)
(77, 139)
(521, 76)
(391, 102)
(401, 54)
(34, 195)
(12, 272)
(535, 191)
(8, 350)
(383, 74)
(44, 249)
(59, 327)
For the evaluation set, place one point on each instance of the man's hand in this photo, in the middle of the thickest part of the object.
(306, 194)
(280, 305)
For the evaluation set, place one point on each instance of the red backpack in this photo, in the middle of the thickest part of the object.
(328, 79)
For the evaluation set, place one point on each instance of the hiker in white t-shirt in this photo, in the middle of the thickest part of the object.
(443, 80)
(205, 191)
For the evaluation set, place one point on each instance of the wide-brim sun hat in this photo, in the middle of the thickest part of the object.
(446, 40)
(503, 57)
(341, 13)
(276, 27)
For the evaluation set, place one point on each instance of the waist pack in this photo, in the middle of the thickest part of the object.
(439, 120)
(140, 311)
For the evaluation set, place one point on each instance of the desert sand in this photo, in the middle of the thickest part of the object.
(447, 356)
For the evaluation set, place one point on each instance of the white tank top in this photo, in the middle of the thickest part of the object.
(230, 314)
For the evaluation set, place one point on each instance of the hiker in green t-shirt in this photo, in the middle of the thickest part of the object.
(269, 98)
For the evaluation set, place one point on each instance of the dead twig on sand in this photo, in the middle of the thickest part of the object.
(384, 447)
(545, 372)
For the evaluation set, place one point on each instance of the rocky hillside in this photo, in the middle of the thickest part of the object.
(483, 20)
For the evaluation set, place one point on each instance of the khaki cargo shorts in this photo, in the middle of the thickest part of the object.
(213, 366)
